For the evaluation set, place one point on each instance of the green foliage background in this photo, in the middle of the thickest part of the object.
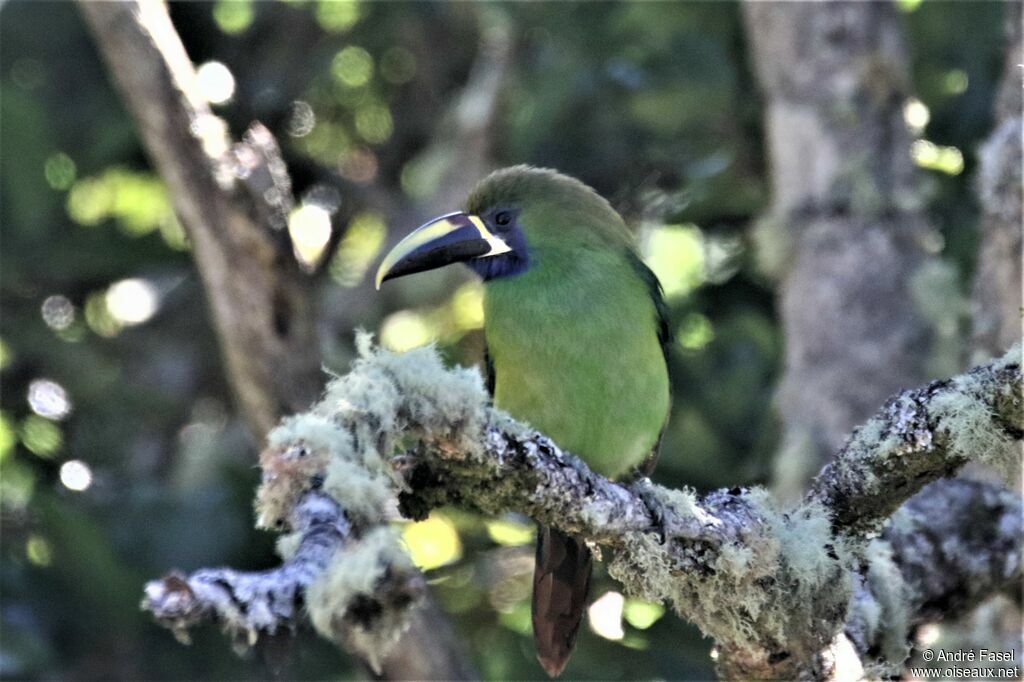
(651, 103)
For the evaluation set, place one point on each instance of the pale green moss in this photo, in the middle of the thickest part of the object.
(749, 594)
(893, 597)
(349, 436)
(971, 428)
(804, 533)
(361, 493)
(299, 449)
(345, 443)
(355, 571)
(288, 544)
(683, 501)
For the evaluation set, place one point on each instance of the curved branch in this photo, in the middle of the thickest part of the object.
(922, 435)
(774, 587)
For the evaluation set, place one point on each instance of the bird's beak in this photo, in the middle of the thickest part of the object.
(452, 238)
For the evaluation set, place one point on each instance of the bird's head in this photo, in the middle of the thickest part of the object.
(511, 220)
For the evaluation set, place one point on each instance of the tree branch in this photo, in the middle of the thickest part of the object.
(233, 200)
(261, 301)
(996, 294)
(773, 586)
(947, 548)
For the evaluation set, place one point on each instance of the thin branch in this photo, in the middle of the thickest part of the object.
(250, 603)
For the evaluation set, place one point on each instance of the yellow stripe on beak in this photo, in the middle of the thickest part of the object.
(449, 239)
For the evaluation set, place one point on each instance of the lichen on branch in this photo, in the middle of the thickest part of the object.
(774, 586)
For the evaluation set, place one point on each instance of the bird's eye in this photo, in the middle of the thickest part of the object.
(503, 218)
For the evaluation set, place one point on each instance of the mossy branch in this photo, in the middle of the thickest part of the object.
(774, 587)
(922, 435)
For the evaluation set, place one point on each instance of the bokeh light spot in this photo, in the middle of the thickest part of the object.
(8, 438)
(511, 533)
(948, 160)
(955, 82)
(76, 475)
(406, 330)
(363, 240)
(98, 317)
(41, 436)
(138, 201)
(38, 550)
(215, 82)
(373, 123)
(132, 301)
(60, 171)
(359, 165)
(695, 332)
(337, 16)
(310, 228)
(605, 616)
(642, 614)
(676, 255)
(468, 306)
(58, 312)
(916, 115)
(48, 399)
(16, 486)
(352, 66)
(233, 16)
(302, 120)
(433, 542)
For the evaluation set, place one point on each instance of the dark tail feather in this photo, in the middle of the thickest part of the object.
(561, 580)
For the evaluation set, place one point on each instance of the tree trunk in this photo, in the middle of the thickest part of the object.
(233, 201)
(845, 234)
(996, 299)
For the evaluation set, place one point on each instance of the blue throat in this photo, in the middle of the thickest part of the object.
(515, 262)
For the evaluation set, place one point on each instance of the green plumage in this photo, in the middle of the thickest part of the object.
(576, 337)
(577, 345)
(576, 341)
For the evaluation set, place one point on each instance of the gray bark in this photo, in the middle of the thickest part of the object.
(845, 231)
(233, 201)
(996, 300)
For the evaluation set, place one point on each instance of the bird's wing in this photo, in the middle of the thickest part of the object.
(664, 332)
(488, 371)
(657, 295)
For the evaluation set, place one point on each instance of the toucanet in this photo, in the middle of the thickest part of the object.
(577, 337)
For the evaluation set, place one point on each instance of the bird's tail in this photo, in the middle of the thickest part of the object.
(561, 580)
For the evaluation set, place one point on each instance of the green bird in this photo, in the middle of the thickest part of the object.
(576, 333)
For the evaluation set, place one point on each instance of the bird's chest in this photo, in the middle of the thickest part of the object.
(582, 365)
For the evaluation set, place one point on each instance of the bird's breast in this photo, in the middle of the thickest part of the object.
(582, 364)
